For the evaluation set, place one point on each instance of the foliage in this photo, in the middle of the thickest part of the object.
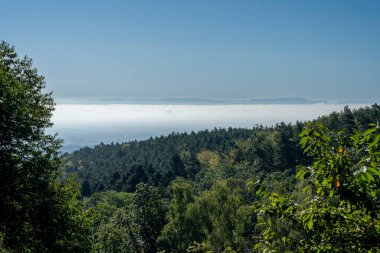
(225, 190)
(103, 205)
(119, 234)
(179, 231)
(148, 211)
(220, 217)
(126, 222)
(198, 247)
(112, 228)
(156, 161)
(339, 208)
(38, 212)
(212, 191)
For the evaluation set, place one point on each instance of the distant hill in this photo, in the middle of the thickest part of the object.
(192, 101)
(212, 101)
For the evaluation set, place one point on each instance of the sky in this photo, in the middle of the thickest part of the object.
(199, 48)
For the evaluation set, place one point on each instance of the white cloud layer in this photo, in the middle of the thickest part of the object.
(74, 115)
(84, 124)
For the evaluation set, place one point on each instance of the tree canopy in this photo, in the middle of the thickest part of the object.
(38, 212)
(303, 187)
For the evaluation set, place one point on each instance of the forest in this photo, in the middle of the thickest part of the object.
(235, 190)
(302, 187)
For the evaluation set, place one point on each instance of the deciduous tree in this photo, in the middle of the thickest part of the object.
(38, 212)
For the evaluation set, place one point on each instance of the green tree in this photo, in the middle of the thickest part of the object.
(148, 213)
(339, 208)
(38, 212)
(347, 118)
(119, 234)
(103, 205)
(219, 217)
(179, 232)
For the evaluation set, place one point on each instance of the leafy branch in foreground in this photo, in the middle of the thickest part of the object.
(336, 206)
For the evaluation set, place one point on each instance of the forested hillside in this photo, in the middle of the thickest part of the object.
(307, 187)
(157, 161)
(240, 180)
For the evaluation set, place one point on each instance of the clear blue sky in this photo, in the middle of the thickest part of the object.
(219, 49)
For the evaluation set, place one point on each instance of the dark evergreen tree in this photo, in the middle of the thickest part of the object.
(348, 121)
(86, 189)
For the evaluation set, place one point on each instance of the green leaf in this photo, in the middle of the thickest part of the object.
(374, 171)
(274, 195)
(369, 131)
(310, 224)
(369, 177)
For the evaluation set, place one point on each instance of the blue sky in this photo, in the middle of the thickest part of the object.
(215, 49)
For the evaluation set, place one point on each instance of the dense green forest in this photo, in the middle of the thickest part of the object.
(215, 185)
(157, 161)
(303, 187)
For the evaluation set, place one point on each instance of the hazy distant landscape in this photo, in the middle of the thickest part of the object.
(88, 124)
(191, 126)
(212, 101)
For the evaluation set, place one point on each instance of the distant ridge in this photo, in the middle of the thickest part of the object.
(190, 101)
(211, 101)
(285, 100)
